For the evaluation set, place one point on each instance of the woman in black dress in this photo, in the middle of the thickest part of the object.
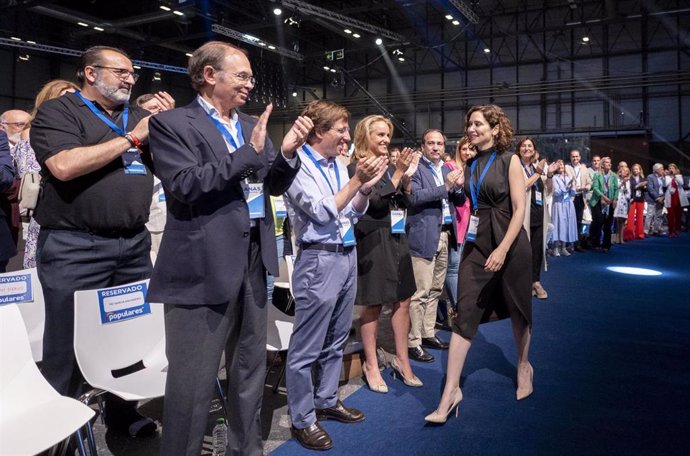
(384, 266)
(495, 273)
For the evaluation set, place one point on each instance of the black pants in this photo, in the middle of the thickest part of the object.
(68, 261)
(601, 221)
(536, 239)
(196, 336)
(579, 202)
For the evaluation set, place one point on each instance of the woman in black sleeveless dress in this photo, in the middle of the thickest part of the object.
(495, 273)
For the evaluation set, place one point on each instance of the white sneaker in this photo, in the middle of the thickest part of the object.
(565, 252)
(556, 252)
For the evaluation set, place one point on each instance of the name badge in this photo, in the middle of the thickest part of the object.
(638, 193)
(131, 160)
(472, 229)
(254, 193)
(347, 232)
(397, 221)
(446, 213)
(538, 198)
(279, 204)
(161, 196)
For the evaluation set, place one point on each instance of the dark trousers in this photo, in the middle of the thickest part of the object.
(601, 221)
(579, 203)
(536, 239)
(68, 261)
(196, 336)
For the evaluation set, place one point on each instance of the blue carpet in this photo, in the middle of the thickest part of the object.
(611, 354)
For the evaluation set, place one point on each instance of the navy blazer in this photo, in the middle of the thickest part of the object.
(423, 224)
(654, 190)
(8, 249)
(203, 255)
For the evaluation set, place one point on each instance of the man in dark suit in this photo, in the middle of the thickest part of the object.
(218, 169)
(431, 231)
(7, 246)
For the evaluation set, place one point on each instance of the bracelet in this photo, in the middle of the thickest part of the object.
(133, 140)
(363, 193)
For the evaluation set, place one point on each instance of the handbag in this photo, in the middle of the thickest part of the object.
(29, 189)
(587, 215)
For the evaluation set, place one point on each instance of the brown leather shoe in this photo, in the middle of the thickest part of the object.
(313, 437)
(340, 413)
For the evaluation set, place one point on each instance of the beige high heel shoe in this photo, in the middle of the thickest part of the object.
(414, 381)
(524, 390)
(440, 418)
(380, 388)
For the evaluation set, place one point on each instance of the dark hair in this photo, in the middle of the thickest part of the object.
(519, 145)
(324, 114)
(494, 115)
(91, 57)
(145, 98)
(209, 54)
(432, 130)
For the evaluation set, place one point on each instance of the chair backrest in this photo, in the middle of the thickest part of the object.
(280, 324)
(24, 289)
(26, 398)
(119, 338)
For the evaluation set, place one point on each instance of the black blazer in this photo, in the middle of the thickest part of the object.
(8, 248)
(203, 253)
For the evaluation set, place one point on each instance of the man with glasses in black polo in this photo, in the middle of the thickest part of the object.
(97, 190)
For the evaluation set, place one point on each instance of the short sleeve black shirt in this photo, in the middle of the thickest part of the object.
(105, 201)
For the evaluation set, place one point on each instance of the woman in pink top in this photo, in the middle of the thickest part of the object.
(463, 153)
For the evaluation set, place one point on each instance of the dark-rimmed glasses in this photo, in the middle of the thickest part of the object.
(122, 73)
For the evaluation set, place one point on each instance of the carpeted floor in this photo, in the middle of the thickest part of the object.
(611, 354)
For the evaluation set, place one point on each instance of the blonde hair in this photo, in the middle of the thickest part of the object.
(458, 156)
(52, 89)
(362, 131)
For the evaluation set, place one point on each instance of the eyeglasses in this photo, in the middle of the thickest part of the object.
(14, 124)
(341, 131)
(121, 73)
(244, 77)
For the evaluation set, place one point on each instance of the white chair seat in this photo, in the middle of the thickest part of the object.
(33, 416)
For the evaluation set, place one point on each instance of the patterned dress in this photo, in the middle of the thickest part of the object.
(25, 160)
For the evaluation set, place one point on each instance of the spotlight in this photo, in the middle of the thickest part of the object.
(83, 24)
(456, 22)
(401, 59)
(98, 29)
(398, 52)
(24, 58)
(348, 31)
(326, 67)
(277, 11)
(379, 41)
(294, 94)
(292, 21)
(165, 8)
(333, 70)
(356, 35)
(178, 13)
(188, 54)
(487, 50)
(449, 17)
(15, 38)
(585, 39)
(271, 47)
(634, 271)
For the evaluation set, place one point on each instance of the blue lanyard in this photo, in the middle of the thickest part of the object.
(474, 189)
(306, 150)
(433, 170)
(530, 173)
(108, 122)
(224, 131)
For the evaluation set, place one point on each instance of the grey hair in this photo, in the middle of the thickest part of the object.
(657, 166)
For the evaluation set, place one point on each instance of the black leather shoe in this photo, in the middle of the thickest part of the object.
(434, 342)
(313, 437)
(340, 413)
(419, 354)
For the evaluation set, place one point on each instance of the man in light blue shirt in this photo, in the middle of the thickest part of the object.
(323, 205)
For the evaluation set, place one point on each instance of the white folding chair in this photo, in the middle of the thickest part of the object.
(279, 324)
(33, 416)
(119, 343)
(15, 287)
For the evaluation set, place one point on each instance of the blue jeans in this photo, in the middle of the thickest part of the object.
(270, 280)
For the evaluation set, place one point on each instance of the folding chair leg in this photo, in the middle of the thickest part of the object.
(223, 398)
(80, 442)
(280, 377)
(91, 439)
(273, 364)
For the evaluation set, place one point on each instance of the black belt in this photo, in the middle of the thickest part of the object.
(334, 248)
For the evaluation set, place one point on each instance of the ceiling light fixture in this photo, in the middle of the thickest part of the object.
(348, 31)
(83, 24)
(379, 41)
(456, 22)
(585, 39)
(277, 11)
(449, 17)
(165, 8)
(487, 50)
(98, 29)
(179, 13)
(254, 41)
(356, 35)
